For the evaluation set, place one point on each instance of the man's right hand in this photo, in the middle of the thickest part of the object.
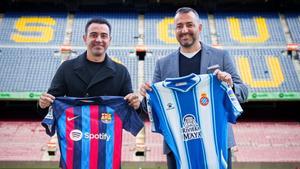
(143, 89)
(46, 100)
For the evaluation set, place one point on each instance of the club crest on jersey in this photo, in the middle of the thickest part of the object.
(170, 106)
(106, 118)
(191, 129)
(204, 99)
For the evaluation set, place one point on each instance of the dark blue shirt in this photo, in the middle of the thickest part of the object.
(189, 65)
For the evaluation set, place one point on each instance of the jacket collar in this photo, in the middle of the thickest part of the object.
(205, 60)
(80, 69)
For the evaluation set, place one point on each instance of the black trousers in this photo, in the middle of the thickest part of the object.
(171, 162)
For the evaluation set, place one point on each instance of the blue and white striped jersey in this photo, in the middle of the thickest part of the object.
(192, 112)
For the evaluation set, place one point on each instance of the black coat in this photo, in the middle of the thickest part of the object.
(71, 79)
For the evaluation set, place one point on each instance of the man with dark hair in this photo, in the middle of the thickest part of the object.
(195, 57)
(92, 73)
(99, 21)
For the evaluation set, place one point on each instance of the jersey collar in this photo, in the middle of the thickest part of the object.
(182, 84)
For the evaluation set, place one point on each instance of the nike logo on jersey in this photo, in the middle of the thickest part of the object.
(72, 118)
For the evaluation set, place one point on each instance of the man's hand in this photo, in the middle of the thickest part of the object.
(133, 100)
(224, 76)
(143, 89)
(46, 100)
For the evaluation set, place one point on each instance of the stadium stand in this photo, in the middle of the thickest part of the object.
(27, 69)
(159, 29)
(266, 75)
(124, 27)
(151, 56)
(249, 29)
(293, 20)
(30, 55)
(36, 29)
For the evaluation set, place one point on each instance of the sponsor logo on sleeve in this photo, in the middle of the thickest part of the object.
(234, 100)
(50, 113)
(231, 95)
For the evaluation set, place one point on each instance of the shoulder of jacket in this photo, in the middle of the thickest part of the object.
(69, 62)
(169, 56)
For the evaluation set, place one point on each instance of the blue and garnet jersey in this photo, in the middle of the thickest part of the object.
(192, 112)
(89, 130)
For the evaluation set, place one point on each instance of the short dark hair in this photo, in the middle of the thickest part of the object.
(187, 10)
(99, 21)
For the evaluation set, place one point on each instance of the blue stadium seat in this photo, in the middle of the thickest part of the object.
(27, 69)
(124, 27)
(250, 29)
(260, 71)
(293, 20)
(39, 29)
(159, 29)
(150, 59)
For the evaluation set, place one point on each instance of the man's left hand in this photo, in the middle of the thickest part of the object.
(224, 76)
(133, 100)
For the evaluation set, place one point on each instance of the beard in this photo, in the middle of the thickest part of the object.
(187, 43)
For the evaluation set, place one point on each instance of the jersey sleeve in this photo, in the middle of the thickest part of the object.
(49, 122)
(232, 105)
(132, 122)
(153, 118)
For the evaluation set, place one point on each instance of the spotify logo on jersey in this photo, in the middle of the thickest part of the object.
(76, 135)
